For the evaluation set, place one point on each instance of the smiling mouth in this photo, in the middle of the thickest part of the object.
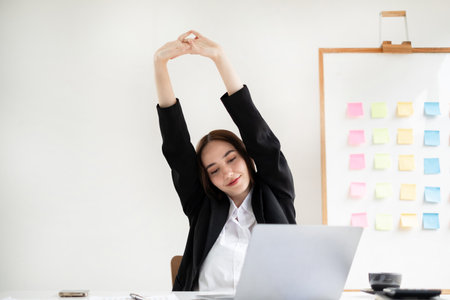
(234, 181)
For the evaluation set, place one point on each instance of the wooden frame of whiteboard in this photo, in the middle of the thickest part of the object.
(322, 52)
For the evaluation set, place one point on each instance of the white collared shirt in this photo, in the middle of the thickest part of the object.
(223, 264)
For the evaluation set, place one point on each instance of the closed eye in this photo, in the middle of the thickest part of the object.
(215, 171)
(231, 160)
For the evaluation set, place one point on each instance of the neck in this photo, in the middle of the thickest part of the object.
(239, 199)
(238, 202)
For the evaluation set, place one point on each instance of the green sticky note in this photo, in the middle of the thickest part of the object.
(379, 110)
(380, 136)
(408, 192)
(382, 161)
(405, 136)
(384, 222)
(383, 190)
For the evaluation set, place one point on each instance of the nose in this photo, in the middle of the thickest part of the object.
(227, 171)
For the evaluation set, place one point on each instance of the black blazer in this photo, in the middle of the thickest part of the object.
(273, 191)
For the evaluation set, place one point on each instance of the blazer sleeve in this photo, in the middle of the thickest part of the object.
(262, 145)
(181, 157)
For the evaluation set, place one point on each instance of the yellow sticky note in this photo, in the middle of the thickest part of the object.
(382, 161)
(404, 109)
(383, 190)
(406, 163)
(405, 136)
(383, 222)
(408, 220)
(380, 136)
(408, 192)
(379, 110)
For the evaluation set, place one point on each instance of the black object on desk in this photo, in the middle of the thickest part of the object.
(379, 281)
(398, 293)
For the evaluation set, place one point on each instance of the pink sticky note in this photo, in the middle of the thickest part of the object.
(359, 219)
(356, 137)
(357, 161)
(354, 109)
(357, 189)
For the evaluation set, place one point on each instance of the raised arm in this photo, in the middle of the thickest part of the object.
(205, 47)
(262, 145)
(170, 50)
(176, 147)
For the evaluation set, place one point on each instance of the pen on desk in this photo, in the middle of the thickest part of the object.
(136, 297)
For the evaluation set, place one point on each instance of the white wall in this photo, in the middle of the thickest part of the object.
(86, 199)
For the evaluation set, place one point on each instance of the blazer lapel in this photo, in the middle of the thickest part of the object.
(219, 215)
(257, 204)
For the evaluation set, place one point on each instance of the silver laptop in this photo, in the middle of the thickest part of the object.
(286, 262)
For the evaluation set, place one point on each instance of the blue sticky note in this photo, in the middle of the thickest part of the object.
(432, 194)
(431, 108)
(431, 138)
(431, 166)
(430, 220)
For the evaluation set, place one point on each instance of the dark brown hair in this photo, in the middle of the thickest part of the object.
(225, 136)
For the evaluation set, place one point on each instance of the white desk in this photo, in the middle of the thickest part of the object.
(99, 295)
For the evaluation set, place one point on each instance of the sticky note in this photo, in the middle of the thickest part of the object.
(379, 110)
(432, 194)
(357, 161)
(380, 136)
(431, 138)
(431, 108)
(408, 192)
(357, 189)
(359, 220)
(404, 109)
(383, 222)
(382, 161)
(383, 190)
(355, 109)
(431, 166)
(406, 163)
(405, 136)
(430, 220)
(356, 137)
(408, 220)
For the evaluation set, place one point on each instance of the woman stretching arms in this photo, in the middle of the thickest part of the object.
(221, 192)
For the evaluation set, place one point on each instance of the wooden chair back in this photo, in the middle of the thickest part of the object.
(174, 266)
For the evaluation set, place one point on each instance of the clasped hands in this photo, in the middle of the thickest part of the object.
(199, 45)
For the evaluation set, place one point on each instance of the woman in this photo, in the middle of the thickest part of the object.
(221, 193)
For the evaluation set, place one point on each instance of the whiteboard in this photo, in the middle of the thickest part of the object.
(421, 256)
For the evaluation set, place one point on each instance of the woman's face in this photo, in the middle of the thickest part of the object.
(226, 169)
